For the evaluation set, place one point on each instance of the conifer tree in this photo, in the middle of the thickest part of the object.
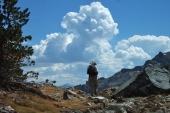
(13, 53)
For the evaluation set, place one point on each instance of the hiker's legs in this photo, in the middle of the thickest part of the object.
(95, 89)
(91, 90)
(91, 84)
(95, 85)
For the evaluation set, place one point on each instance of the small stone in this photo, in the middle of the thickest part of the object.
(3, 93)
(159, 104)
(88, 104)
(8, 108)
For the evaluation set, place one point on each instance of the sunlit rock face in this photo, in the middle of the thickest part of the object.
(154, 79)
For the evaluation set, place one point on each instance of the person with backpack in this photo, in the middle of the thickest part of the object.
(93, 83)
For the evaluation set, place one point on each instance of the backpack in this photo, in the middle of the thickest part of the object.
(92, 70)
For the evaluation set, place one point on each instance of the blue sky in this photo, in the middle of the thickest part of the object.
(69, 34)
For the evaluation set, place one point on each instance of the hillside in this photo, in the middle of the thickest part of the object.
(69, 100)
(26, 102)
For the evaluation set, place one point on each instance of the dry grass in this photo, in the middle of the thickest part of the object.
(30, 103)
(24, 102)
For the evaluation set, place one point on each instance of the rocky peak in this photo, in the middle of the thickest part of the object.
(162, 58)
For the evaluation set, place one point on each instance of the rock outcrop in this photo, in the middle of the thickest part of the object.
(154, 79)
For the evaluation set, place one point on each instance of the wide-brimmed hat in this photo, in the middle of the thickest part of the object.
(93, 62)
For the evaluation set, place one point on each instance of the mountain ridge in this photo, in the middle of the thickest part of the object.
(126, 74)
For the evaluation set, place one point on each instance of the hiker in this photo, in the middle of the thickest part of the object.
(93, 83)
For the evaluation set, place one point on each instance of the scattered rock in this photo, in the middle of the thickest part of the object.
(120, 108)
(149, 104)
(102, 100)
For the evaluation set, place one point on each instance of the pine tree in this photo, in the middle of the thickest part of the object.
(13, 54)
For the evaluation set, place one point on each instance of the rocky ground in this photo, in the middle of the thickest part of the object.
(70, 100)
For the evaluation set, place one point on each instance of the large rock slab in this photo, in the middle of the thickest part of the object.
(154, 79)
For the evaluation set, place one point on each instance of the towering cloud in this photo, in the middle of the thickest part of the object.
(86, 39)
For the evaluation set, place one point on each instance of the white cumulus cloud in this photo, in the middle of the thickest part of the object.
(138, 48)
(91, 28)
